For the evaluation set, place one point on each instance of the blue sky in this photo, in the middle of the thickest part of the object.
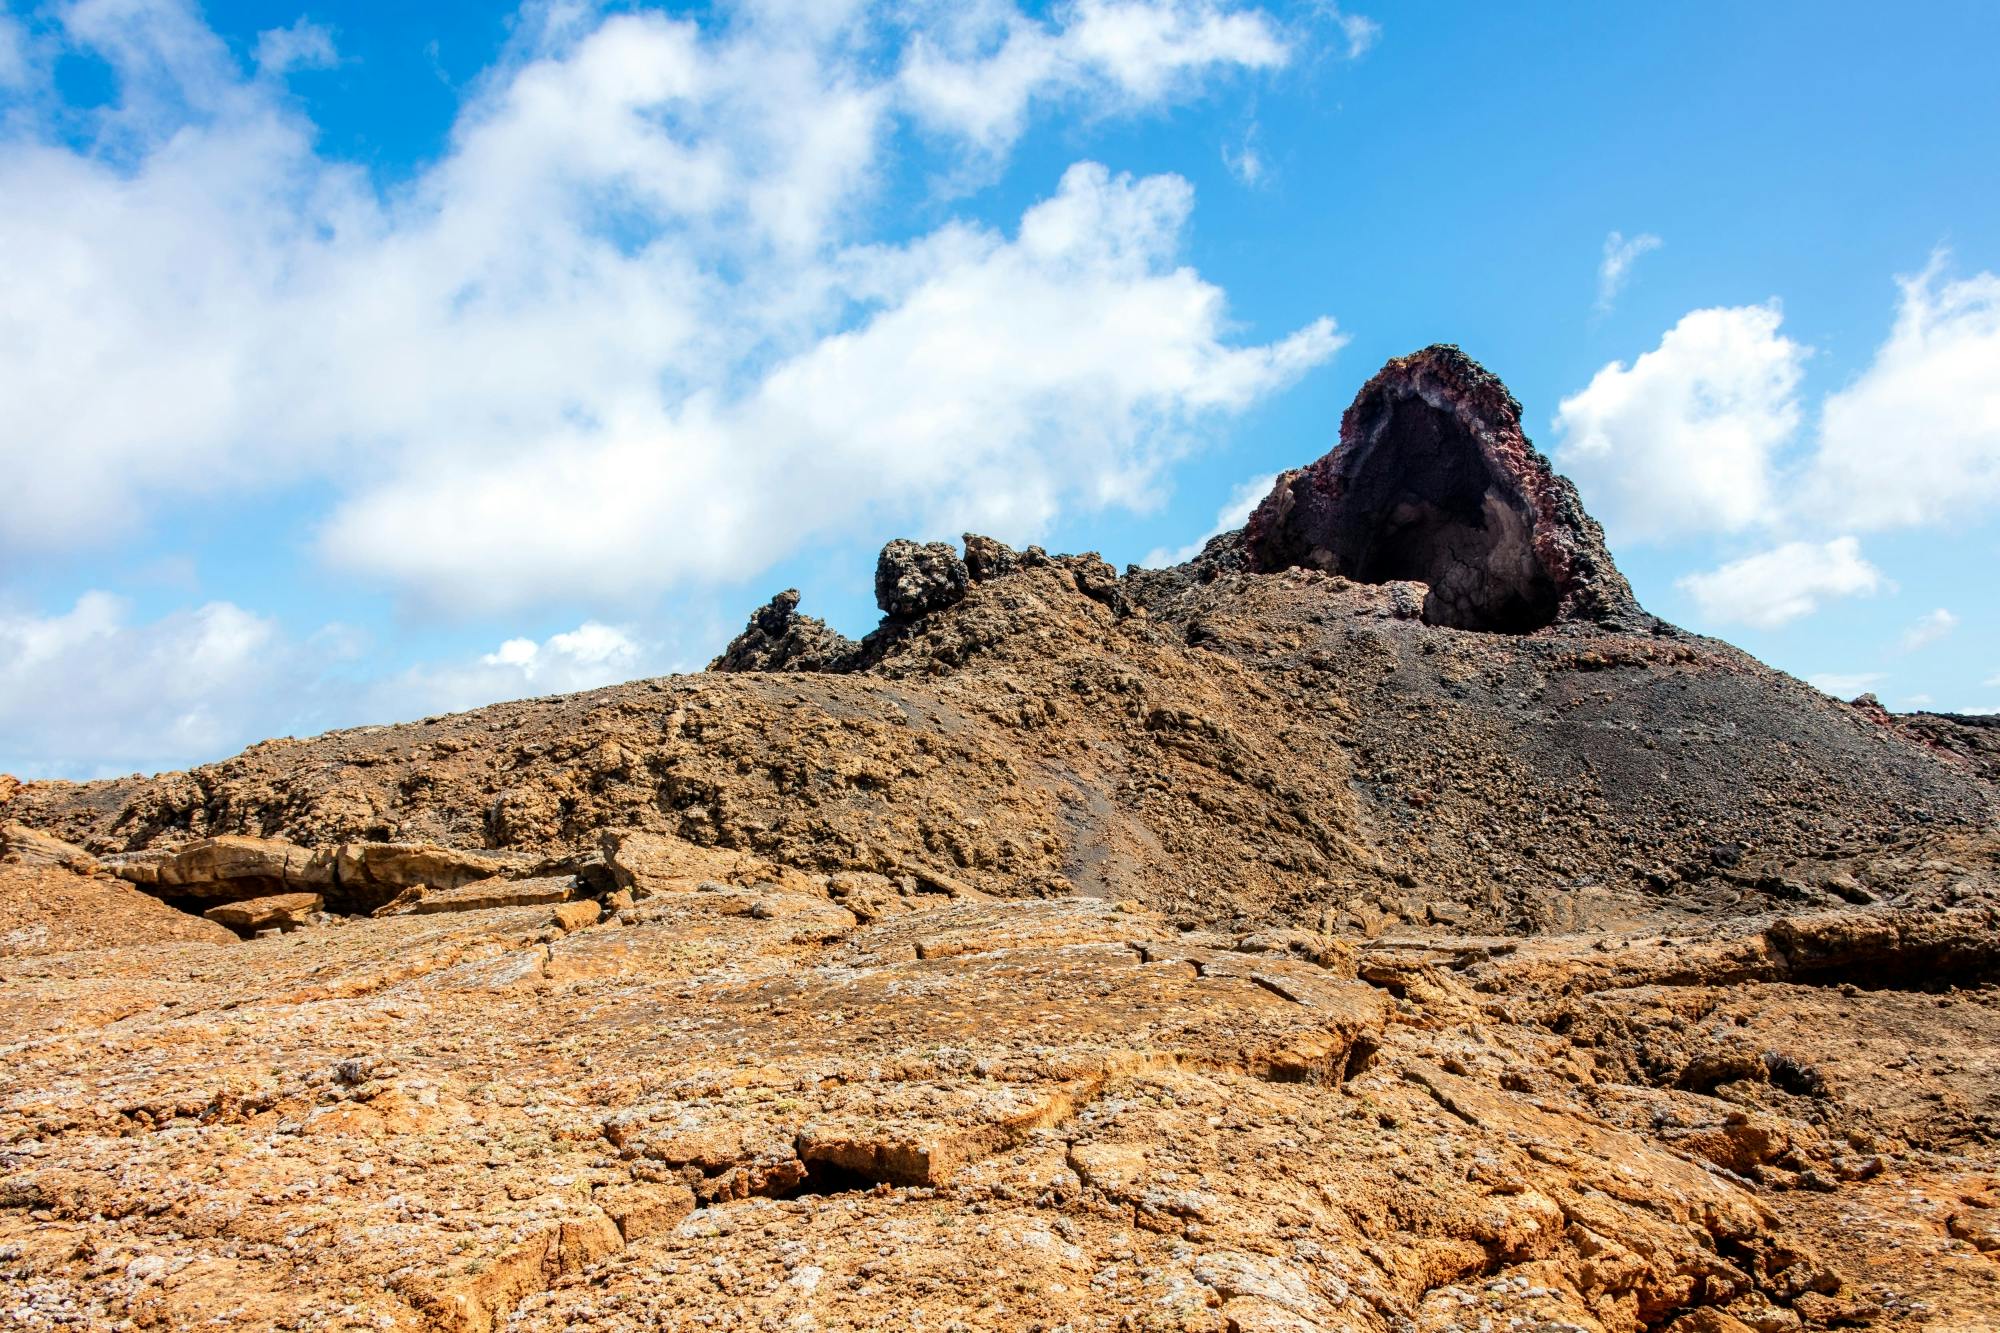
(360, 362)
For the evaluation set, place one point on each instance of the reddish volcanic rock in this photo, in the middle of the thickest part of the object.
(1434, 481)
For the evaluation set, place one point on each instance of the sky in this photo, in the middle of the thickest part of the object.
(364, 362)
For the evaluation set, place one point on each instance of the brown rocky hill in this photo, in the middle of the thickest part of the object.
(1271, 733)
(1379, 922)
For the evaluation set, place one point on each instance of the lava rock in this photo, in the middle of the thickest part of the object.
(778, 638)
(913, 580)
(1434, 481)
(987, 559)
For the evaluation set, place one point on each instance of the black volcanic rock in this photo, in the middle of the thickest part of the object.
(778, 638)
(912, 580)
(1434, 481)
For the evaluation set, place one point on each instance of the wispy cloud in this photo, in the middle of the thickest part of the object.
(1360, 33)
(1616, 267)
(1777, 586)
(1927, 631)
(1246, 161)
(1234, 512)
(304, 45)
(1845, 685)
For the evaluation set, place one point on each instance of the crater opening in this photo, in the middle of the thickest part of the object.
(1434, 482)
(1421, 503)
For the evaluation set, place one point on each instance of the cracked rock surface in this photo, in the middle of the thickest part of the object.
(732, 1102)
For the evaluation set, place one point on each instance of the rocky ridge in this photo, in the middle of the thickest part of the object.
(1377, 923)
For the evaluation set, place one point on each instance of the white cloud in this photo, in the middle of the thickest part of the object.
(979, 75)
(1928, 630)
(1619, 256)
(1061, 362)
(628, 332)
(1783, 584)
(1683, 439)
(13, 52)
(1246, 163)
(1846, 686)
(584, 658)
(304, 45)
(1918, 701)
(88, 692)
(1916, 438)
(1245, 498)
(1360, 33)
(591, 654)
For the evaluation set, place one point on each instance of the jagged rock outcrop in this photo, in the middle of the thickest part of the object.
(1433, 480)
(778, 638)
(913, 579)
(987, 558)
(354, 876)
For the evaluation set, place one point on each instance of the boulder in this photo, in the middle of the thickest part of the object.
(23, 846)
(483, 894)
(354, 877)
(912, 580)
(987, 559)
(280, 911)
(229, 868)
(235, 866)
(402, 865)
(575, 916)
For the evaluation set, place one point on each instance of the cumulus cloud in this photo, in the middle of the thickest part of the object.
(1916, 437)
(94, 692)
(590, 653)
(584, 658)
(1619, 256)
(979, 74)
(629, 332)
(998, 376)
(86, 692)
(1685, 438)
(1233, 514)
(1777, 586)
(1928, 630)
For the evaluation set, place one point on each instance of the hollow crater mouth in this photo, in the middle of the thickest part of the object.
(1420, 501)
